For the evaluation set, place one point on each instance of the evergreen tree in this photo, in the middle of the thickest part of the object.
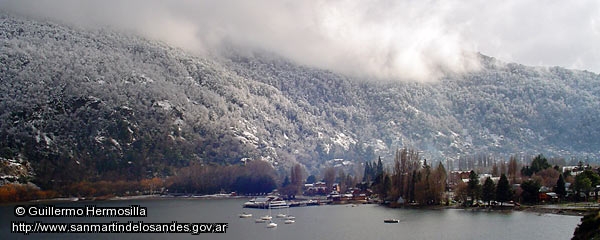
(367, 172)
(473, 186)
(531, 190)
(489, 190)
(539, 163)
(526, 171)
(503, 190)
(379, 167)
(311, 179)
(560, 186)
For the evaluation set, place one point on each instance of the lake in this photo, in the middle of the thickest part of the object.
(316, 222)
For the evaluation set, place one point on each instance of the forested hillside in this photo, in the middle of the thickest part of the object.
(91, 105)
(503, 109)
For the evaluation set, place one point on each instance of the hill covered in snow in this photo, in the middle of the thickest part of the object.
(80, 104)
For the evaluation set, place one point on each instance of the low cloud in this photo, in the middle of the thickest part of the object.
(380, 39)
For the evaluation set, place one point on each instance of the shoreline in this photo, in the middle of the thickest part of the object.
(570, 209)
(552, 209)
(122, 198)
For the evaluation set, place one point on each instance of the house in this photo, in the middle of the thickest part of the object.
(318, 188)
(545, 194)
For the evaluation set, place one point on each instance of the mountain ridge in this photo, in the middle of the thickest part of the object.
(107, 105)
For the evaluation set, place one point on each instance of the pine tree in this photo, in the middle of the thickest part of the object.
(473, 186)
(503, 190)
(366, 174)
(560, 186)
(489, 190)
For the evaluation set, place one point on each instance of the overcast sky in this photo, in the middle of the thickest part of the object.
(404, 39)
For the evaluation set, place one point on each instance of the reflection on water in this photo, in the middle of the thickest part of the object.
(318, 222)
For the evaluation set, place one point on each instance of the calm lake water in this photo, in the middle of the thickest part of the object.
(316, 222)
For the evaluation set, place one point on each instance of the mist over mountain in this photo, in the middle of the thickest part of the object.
(97, 104)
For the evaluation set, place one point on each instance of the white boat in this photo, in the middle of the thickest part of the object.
(288, 216)
(272, 225)
(289, 221)
(252, 203)
(267, 217)
(264, 202)
(245, 215)
(281, 215)
(278, 204)
(391, 220)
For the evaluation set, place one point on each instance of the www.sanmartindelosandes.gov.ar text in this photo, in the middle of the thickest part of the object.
(117, 227)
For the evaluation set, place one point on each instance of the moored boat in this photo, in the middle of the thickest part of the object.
(271, 225)
(264, 202)
(289, 221)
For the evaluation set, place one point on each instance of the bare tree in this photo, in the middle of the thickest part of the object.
(512, 168)
(329, 177)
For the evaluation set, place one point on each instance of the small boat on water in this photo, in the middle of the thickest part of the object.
(272, 225)
(289, 217)
(245, 215)
(268, 216)
(260, 220)
(281, 215)
(289, 221)
(391, 220)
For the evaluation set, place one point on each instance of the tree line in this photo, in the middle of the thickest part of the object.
(415, 181)
(410, 181)
(531, 183)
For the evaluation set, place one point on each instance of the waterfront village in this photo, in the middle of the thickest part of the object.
(408, 182)
(539, 187)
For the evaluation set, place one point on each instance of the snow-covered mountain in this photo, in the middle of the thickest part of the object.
(81, 104)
